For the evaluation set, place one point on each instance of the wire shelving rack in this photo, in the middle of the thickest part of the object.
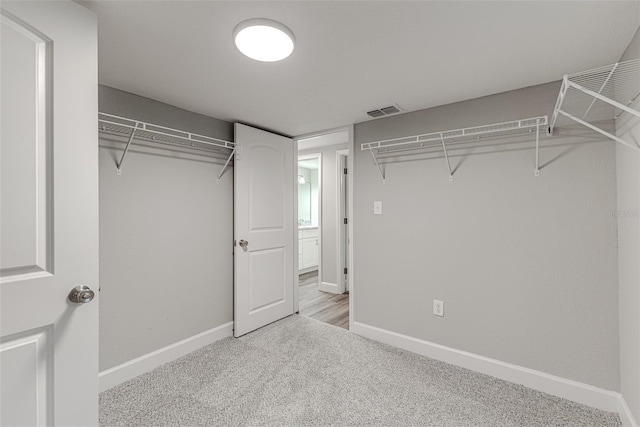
(604, 93)
(136, 129)
(450, 137)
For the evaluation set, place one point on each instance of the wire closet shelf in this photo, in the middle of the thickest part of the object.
(134, 129)
(456, 136)
(604, 93)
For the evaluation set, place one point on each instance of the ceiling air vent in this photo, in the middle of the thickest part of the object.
(390, 110)
(376, 113)
(386, 111)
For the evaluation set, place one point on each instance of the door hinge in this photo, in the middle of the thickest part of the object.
(346, 221)
(345, 270)
(345, 171)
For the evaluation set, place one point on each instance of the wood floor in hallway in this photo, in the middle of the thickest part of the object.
(324, 306)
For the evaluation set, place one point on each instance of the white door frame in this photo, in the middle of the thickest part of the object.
(350, 167)
(351, 275)
(342, 213)
(296, 266)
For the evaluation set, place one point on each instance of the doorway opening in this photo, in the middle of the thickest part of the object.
(309, 213)
(323, 290)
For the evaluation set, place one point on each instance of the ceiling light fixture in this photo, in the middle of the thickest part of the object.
(301, 180)
(263, 39)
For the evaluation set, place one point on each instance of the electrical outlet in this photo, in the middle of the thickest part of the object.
(377, 208)
(438, 308)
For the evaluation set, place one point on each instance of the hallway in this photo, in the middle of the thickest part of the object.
(323, 306)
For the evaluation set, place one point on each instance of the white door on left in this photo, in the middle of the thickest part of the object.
(48, 214)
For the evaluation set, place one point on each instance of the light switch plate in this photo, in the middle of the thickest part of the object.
(377, 208)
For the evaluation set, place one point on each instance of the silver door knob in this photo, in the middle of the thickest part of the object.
(81, 294)
(244, 243)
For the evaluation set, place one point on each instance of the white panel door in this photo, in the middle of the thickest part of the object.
(48, 214)
(263, 228)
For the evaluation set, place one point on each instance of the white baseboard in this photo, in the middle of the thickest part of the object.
(328, 287)
(308, 270)
(625, 414)
(131, 369)
(568, 389)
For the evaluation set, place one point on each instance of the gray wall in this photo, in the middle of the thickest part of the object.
(628, 175)
(329, 228)
(526, 265)
(166, 233)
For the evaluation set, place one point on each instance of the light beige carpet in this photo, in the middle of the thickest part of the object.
(301, 372)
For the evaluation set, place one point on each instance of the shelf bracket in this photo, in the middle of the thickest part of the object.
(605, 99)
(602, 98)
(619, 74)
(584, 116)
(126, 149)
(225, 165)
(597, 129)
(384, 180)
(537, 171)
(446, 156)
(559, 101)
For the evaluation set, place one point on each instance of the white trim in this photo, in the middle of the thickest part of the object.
(351, 275)
(308, 269)
(328, 287)
(296, 236)
(327, 138)
(138, 366)
(568, 389)
(625, 413)
(341, 213)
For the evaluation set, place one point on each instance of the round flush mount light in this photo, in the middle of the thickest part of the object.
(263, 39)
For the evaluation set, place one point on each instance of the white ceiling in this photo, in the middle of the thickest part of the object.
(351, 56)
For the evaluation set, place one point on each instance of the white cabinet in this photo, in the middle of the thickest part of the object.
(309, 253)
(308, 249)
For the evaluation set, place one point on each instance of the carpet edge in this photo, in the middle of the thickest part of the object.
(119, 374)
(575, 391)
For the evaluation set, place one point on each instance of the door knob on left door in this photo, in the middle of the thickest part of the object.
(81, 294)
(244, 243)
